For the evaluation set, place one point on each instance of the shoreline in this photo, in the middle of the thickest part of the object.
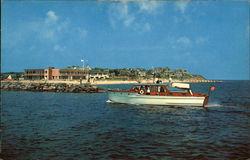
(74, 86)
(148, 81)
(50, 87)
(108, 82)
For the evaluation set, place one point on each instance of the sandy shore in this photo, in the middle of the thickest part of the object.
(107, 82)
(77, 82)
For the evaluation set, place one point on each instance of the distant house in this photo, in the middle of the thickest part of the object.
(52, 73)
(142, 73)
(13, 75)
(34, 74)
(69, 73)
(75, 67)
(99, 74)
(77, 72)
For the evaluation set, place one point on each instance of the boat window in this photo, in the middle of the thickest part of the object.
(173, 89)
(142, 87)
(153, 89)
(135, 88)
(162, 89)
(158, 88)
(147, 89)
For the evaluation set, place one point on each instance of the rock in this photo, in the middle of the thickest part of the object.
(30, 87)
(95, 87)
(100, 90)
(72, 89)
(51, 87)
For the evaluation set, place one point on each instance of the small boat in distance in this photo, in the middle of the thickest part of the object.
(176, 94)
(9, 78)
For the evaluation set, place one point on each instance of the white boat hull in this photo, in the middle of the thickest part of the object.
(135, 98)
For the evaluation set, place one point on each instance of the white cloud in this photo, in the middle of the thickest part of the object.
(51, 31)
(128, 21)
(184, 40)
(120, 12)
(148, 6)
(58, 48)
(182, 19)
(48, 34)
(200, 40)
(182, 5)
(51, 17)
(62, 25)
(130, 16)
(52, 27)
(82, 32)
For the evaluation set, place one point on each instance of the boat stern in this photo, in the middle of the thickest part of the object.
(205, 101)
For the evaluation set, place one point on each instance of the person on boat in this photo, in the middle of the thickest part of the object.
(147, 90)
(170, 81)
(81, 80)
(162, 89)
(142, 89)
(158, 81)
(136, 89)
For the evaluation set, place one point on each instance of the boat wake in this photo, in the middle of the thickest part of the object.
(214, 105)
(109, 101)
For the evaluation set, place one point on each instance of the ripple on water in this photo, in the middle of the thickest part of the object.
(82, 126)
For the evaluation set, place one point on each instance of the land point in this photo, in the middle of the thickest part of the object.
(83, 75)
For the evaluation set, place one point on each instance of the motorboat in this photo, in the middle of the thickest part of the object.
(175, 94)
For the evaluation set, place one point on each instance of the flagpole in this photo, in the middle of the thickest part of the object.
(82, 60)
(209, 92)
(211, 89)
(207, 97)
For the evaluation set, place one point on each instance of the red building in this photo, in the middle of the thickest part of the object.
(54, 74)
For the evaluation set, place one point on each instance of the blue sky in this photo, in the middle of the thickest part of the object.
(210, 38)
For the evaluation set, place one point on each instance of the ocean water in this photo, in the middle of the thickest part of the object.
(41, 126)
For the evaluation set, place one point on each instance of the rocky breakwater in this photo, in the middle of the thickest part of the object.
(51, 87)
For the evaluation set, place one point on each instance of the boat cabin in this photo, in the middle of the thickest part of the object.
(159, 89)
(159, 94)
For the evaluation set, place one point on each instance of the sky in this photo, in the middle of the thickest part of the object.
(210, 38)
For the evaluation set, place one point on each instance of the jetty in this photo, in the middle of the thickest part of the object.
(50, 87)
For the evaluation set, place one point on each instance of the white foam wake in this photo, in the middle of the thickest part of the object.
(214, 105)
(109, 101)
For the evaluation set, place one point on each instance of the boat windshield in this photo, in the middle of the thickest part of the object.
(135, 88)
